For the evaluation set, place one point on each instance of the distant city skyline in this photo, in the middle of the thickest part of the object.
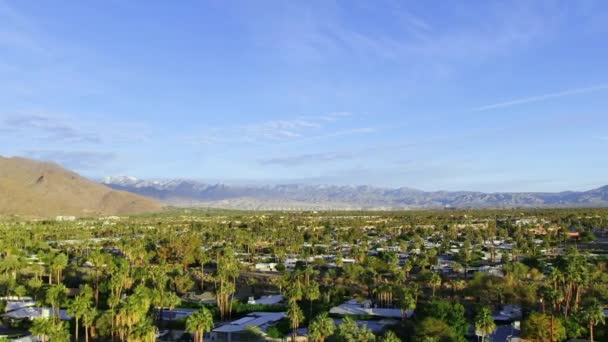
(482, 96)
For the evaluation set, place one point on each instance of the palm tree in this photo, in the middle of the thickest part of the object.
(55, 297)
(144, 331)
(407, 268)
(594, 315)
(59, 263)
(171, 300)
(434, 282)
(60, 333)
(296, 316)
(11, 264)
(458, 285)
(80, 305)
(47, 329)
(118, 283)
(133, 311)
(390, 337)
(321, 327)
(312, 292)
(87, 320)
(484, 322)
(226, 274)
(159, 278)
(407, 301)
(348, 331)
(42, 328)
(199, 323)
(98, 259)
(365, 335)
(202, 257)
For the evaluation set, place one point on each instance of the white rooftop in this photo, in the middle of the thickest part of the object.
(267, 300)
(12, 305)
(257, 319)
(34, 312)
(352, 307)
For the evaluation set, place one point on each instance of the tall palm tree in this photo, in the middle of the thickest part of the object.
(159, 278)
(99, 260)
(484, 322)
(55, 297)
(321, 327)
(202, 257)
(59, 263)
(434, 282)
(225, 278)
(88, 318)
(199, 323)
(312, 292)
(594, 315)
(171, 300)
(80, 305)
(294, 290)
(407, 301)
(296, 316)
(407, 268)
(11, 264)
(133, 311)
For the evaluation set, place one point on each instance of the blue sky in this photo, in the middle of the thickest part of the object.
(473, 95)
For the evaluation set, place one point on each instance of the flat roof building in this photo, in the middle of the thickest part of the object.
(237, 331)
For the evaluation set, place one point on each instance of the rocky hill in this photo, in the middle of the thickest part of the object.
(42, 189)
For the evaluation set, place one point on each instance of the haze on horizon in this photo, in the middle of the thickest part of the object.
(485, 96)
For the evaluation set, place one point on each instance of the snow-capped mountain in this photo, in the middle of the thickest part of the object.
(184, 192)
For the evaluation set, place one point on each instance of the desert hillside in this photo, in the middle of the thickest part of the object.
(29, 187)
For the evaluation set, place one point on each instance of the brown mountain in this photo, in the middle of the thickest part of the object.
(34, 188)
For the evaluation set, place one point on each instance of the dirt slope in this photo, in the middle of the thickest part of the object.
(29, 187)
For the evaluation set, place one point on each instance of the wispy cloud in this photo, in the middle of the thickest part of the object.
(302, 159)
(298, 128)
(279, 129)
(320, 34)
(48, 128)
(75, 160)
(61, 129)
(539, 98)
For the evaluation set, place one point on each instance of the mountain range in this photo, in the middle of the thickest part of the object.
(42, 189)
(188, 193)
(35, 188)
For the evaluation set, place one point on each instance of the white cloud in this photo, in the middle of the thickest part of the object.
(321, 34)
(302, 127)
(68, 129)
(48, 128)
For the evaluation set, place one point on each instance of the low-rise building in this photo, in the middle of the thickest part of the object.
(237, 331)
(266, 300)
(266, 266)
(353, 307)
